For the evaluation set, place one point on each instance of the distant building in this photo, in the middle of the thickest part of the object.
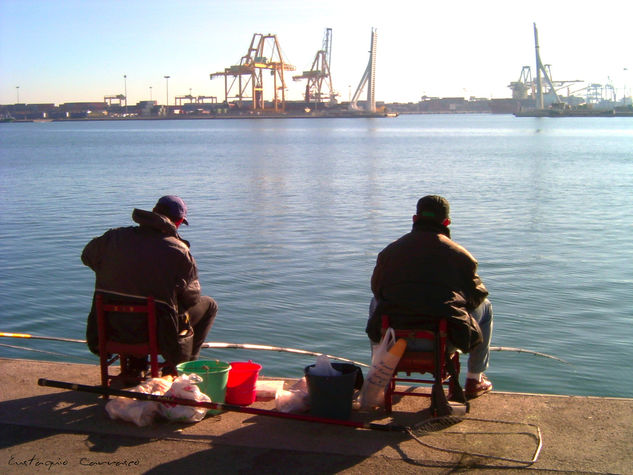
(80, 110)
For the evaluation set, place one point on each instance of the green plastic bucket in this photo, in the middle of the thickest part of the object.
(214, 374)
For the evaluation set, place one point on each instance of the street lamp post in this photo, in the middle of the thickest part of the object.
(17, 91)
(125, 92)
(167, 88)
(150, 93)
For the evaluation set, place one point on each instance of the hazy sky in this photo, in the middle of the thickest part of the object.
(78, 50)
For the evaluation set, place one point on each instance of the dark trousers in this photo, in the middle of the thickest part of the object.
(201, 318)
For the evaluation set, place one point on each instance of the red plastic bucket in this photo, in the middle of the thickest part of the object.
(240, 387)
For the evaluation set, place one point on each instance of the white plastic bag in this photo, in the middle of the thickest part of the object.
(185, 387)
(385, 358)
(323, 367)
(267, 389)
(141, 413)
(295, 399)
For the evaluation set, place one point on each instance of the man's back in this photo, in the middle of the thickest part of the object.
(149, 259)
(422, 270)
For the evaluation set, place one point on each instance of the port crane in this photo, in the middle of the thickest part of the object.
(194, 99)
(264, 54)
(110, 99)
(368, 79)
(524, 86)
(319, 74)
(188, 97)
(597, 93)
(201, 99)
(527, 86)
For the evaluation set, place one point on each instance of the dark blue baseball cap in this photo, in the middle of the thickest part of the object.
(173, 207)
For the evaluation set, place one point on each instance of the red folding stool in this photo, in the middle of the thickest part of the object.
(433, 361)
(110, 350)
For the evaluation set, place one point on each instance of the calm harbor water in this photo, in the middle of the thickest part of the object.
(287, 217)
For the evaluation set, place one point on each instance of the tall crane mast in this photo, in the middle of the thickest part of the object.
(264, 53)
(319, 74)
(368, 79)
(540, 69)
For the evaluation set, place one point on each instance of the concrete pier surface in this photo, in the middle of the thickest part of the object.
(51, 430)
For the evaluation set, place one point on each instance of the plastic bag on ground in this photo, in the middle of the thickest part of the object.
(185, 387)
(141, 413)
(267, 389)
(295, 399)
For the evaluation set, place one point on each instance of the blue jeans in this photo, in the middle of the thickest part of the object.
(479, 357)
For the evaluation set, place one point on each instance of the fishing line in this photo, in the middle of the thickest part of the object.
(43, 351)
(523, 350)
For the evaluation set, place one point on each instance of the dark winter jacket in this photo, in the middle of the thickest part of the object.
(149, 259)
(425, 275)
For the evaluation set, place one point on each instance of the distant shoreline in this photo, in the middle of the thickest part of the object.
(361, 115)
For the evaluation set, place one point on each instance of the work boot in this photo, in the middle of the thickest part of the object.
(476, 388)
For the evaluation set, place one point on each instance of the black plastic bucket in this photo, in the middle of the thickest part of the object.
(331, 396)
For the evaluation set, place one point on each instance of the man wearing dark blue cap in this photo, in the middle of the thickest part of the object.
(426, 274)
(152, 259)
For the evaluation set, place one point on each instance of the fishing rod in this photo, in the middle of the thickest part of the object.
(222, 406)
(415, 431)
(249, 346)
(35, 337)
(212, 344)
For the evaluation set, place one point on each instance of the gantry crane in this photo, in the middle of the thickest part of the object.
(110, 99)
(368, 79)
(319, 74)
(522, 88)
(201, 99)
(526, 87)
(188, 97)
(263, 53)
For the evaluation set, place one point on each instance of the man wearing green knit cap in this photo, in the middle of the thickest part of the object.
(427, 274)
